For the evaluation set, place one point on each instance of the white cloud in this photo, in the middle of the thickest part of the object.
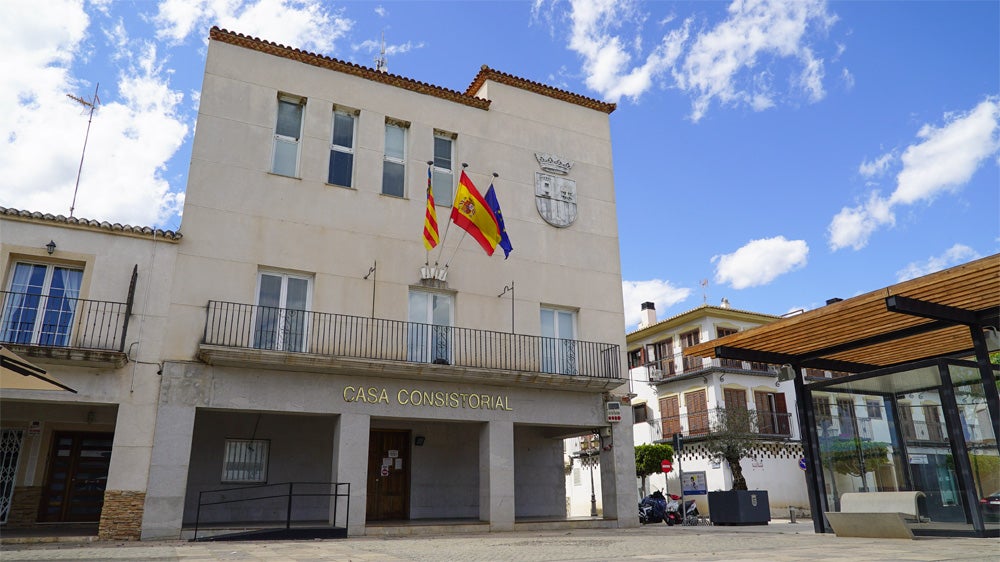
(375, 46)
(712, 66)
(943, 161)
(876, 167)
(380, 11)
(661, 293)
(957, 254)
(760, 261)
(717, 64)
(42, 130)
(847, 78)
(305, 24)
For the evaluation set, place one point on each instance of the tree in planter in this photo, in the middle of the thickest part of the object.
(649, 459)
(733, 436)
(855, 457)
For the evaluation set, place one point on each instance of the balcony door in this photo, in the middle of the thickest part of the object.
(280, 319)
(558, 341)
(40, 303)
(429, 336)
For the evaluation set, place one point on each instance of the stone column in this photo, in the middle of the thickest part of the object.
(184, 386)
(496, 475)
(131, 451)
(350, 464)
(618, 484)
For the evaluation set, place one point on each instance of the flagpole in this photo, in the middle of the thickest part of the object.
(448, 226)
(427, 256)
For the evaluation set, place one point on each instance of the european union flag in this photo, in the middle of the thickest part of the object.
(491, 200)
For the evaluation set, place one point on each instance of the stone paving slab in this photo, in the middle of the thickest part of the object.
(778, 542)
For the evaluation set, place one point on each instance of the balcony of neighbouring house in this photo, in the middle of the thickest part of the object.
(65, 330)
(845, 427)
(674, 366)
(703, 422)
(247, 335)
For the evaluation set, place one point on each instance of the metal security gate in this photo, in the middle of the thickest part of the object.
(10, 452)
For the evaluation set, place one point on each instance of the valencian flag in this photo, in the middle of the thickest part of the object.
(491, 200)
(473, 215)
(430, 219)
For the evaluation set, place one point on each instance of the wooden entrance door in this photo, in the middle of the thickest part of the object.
(77, 476)
(388, 475)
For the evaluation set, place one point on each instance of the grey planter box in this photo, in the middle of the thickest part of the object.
(739, 507)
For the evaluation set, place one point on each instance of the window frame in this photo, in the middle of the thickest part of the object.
(387, 159)
(558, 353)
(437, 337)
(42, 306)
(297, 141)
(282, 316)
(227, 458)
(352, 150)
(435, 169)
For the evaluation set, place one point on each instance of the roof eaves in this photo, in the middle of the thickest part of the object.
(118, 228)
(705, 309)
(321, 61)
(487, 73)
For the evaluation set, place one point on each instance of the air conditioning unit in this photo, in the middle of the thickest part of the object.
(655, 375)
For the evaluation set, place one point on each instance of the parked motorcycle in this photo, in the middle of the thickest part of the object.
(691, 515)
(653, 508)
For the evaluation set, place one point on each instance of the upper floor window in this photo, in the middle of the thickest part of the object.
(283, 302)
(40, 304)
(723, 332)
(443, 172)
(394, 160)
(640, 413)
(558, 341)
(635, 358)
(874, 408)
(342, 149)
(287, 133)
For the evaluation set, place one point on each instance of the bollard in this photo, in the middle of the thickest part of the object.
(791, 514)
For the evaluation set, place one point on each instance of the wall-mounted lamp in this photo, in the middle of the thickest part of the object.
(50, 247)
(418, 440)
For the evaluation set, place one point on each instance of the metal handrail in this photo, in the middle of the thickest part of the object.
(302, 331)
(336, 494)
(62, 322)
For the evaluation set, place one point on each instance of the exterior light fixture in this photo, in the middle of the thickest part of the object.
(51, 247)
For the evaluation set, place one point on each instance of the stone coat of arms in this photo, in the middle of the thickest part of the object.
(555, 195)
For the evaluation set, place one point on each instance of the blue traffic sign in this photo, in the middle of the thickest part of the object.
(802, 463)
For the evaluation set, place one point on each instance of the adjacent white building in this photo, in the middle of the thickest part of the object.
(687, 395)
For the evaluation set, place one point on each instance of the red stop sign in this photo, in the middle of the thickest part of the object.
(666, 466)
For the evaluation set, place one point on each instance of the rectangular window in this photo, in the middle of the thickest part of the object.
(245, 461)
(772, 413)
(736, 398)
(283, 302)
(429, 337)
(670, 423)
(287, 133)
(874, 409)
(696, 403)
(635, 358)
(442, 170)
(394, 160)
(689, 339)
(558, 341)
(640, 413)
(40, 304)
(342, 149)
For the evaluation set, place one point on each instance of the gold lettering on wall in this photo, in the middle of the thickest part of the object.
(425, 398)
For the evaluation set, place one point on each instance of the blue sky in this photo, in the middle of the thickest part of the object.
(775, 154)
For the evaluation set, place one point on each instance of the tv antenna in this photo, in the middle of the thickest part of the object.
(380, 63)
(92, 104)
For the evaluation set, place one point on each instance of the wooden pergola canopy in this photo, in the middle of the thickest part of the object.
(923, 318)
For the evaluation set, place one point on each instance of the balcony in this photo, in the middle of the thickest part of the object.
(846, 427)
(64, 330)
(698, 423)
(300, 340)
(666, 368)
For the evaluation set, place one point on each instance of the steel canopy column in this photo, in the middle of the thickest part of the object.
(810, 445)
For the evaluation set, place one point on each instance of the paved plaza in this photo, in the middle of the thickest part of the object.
(779, 541)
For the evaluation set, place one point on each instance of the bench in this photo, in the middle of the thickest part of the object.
(876, 514)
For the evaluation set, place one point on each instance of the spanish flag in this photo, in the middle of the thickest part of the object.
(473, 214)
(430, 218)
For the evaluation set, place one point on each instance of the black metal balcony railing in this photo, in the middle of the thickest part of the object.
(703, 422)
(53, 321)
(302, 331)
(844, 426)
(667, 367)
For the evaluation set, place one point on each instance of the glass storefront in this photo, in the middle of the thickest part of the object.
(902, 432)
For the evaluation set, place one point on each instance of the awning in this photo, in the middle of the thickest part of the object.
(16, 373)
(922, 318)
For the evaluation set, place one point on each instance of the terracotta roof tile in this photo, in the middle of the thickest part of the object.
(268, 47)
(487, 73)
(143, 231)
